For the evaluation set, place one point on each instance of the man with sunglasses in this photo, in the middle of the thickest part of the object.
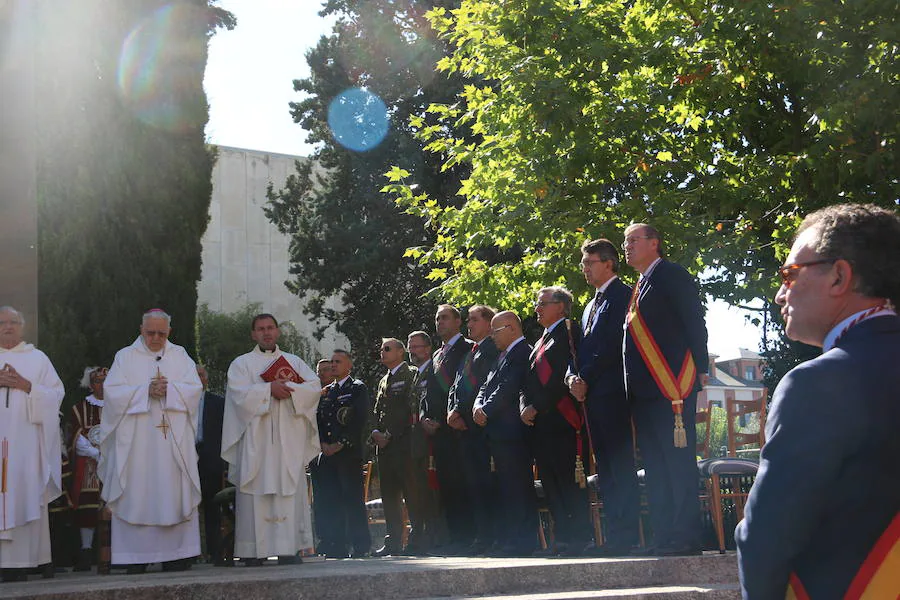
(393, 417)
(823, 517)
(665, 366)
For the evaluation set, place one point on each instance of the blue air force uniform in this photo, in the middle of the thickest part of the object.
(337, 479)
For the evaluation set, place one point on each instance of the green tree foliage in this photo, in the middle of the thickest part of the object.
(222, 337)
(720, 123)
(348, 239)
(124, 176)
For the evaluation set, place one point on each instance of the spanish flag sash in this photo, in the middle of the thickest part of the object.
(675, 389)
(878, 577)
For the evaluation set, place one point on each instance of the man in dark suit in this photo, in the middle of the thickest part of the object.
(824, 513)
(444, 441)
(665, 366)
(557, 421)
(210, 465)
(475, 453)
(600, 384)
(337, 474)
(496, 408)
(418, 344)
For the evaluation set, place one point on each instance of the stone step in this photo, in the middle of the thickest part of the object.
(673, 592)
(409, 578)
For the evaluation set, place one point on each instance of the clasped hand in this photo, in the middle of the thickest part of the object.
(158, 387)
(10, 378)
(280, 389)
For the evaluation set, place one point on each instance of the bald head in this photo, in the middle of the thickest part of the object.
(506, 327)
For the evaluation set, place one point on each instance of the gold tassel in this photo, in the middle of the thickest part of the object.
(580, 479)
(680, 434)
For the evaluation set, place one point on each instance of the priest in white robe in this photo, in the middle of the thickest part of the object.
(269, 436)
(148, 462)
(30, 395)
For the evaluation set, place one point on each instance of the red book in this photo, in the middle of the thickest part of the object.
(281, 369)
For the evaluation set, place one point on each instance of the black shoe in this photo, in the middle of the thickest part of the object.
(181, 564)
(385, 551)
(13, 575)
(610, 551)
(136, 569)
(253, 562)
(679, 550)
(224, 562)
(478, 548)
(645, 551)
(360, 554)
(288, 560)
(510, 552)
(83, 562)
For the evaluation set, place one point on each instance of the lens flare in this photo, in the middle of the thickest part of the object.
(161, 67)
(358, 119)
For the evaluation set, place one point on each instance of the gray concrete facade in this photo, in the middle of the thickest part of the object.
(245, 257)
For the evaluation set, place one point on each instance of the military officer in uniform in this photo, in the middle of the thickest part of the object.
(392, 421)
(337, 472)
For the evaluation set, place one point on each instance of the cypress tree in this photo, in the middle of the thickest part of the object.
(124, 175)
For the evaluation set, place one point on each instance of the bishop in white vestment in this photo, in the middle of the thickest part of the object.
(148, 462)
(30, 451)
(269, 436)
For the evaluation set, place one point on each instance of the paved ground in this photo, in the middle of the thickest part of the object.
(386, 578)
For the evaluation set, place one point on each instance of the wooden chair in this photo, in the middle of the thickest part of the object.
(704, 417)
(738, 410)
(728, 479)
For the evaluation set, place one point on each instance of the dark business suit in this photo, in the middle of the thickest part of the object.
(609, 414)
(554, 441)
(500, 398)
(475, 453)
(211, 468)
(420, 541)
(337, 479)
(445, 441)
(829, 477)
(670, 305)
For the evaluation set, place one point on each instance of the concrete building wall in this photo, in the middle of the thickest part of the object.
(245, 258)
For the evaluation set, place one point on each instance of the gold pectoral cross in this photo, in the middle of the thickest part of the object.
(164, 426)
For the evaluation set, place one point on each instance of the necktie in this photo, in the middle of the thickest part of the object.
(474, 347)
(598, 298)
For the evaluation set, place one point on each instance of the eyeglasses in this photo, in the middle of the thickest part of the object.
(543, 303)
(587, 264)
(630, 240)
(388, 349)
(499, 329)
(5, 323)
(789, 273)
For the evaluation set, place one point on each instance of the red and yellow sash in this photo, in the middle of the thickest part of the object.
(675, 389)
(878, 577)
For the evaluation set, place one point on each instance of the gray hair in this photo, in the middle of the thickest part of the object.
(156, 313)
(12, 310)
(559, 294)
